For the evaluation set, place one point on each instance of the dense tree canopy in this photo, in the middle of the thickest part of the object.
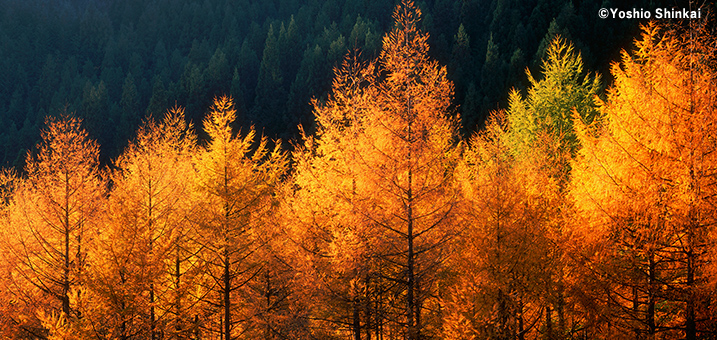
(644, 184)
(385, 138)
(576, 212)
(114, 61)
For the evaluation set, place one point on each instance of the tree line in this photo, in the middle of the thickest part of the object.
(573, 214)
(113, 62)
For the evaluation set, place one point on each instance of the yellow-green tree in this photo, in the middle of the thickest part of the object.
(512, 276)
(644, 184)
(548, 108)
(541, 135)
(236, 180)
(380, 172)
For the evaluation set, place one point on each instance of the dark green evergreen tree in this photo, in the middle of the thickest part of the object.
(270, 93)
(130, 115)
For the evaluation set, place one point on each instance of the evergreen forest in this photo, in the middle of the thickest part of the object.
(113, 63)
(442, 169)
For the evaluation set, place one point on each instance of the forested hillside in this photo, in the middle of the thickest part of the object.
(585, 208)
(114, 62)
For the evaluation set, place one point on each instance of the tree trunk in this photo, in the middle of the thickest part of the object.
(356, 326)
(549, 322)
(379, 319)
(690, 323)
(227, 303)
(152, 319)
(123, 306)
(636, 309)
(410, 285)
(267, 330)
(651, 327)
(521, 335)
(367, 309)
(560, 308)
(410, 302)
(66, 276)
(419, 305)
(66, 270)
(178, 299)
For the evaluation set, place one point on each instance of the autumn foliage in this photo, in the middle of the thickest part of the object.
(571, 214)
(644, 184)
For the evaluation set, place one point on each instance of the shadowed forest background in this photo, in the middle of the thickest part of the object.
(114, 62)
(458, 170)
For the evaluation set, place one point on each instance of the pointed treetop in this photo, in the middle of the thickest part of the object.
(221, 115)
(564, 92)
(406, 46)
(173, 134)
(64, 143)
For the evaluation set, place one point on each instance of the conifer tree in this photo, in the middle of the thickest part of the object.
(381, 163)
(271, 93)
(541, 135)
(51, 223)
(644, 185)
(501, 260)
(145, 261)
(548, 108)
(236, 180)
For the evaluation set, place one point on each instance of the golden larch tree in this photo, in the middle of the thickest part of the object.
(236, 181)
(501, 261)
(382, 162)
(51, 222)
(644, 184)
(146, 259)
(335, 238)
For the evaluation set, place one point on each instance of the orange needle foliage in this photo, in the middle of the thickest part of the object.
(148, 248)
(501, 261)
(377, 186)
(50, 223)
(644, 184)
(561, 219)
(236, 181)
